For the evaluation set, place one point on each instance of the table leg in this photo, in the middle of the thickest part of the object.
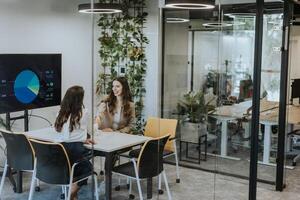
(108, 175)
(267, 144)
(149, 188)
(224, 138)
(19, 188)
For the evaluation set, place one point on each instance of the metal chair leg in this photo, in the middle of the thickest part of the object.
(32, 186)
(167, 185)
(139, 187)
(160, 191)
(138, 179)
(131, 196)
(177, 165)
(3, 178)
(96, 187)
(296, 159)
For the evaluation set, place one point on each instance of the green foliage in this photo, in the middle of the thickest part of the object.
(193, 105)
(122, 46)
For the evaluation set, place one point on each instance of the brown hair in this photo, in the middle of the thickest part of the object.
(126, 94)
(71, 106)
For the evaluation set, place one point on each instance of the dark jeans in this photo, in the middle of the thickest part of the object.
(76, 151)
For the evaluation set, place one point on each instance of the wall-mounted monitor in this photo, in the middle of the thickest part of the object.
(29, 81)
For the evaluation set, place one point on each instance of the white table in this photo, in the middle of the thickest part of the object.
(45, 134)
(106, 142)
(224, 114)
(237, 111)
(270, 118)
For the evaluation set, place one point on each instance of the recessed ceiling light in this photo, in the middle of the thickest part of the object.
(176, 20)
(100, 8)
(241, 15)
(190, 4)
(216, 25)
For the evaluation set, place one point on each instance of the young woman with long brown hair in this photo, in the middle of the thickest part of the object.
(117, 112)
(72, 122)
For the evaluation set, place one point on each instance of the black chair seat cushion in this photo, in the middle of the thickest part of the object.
(136, 152)
(126, 169)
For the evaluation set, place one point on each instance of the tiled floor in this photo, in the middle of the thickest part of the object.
(194, 185)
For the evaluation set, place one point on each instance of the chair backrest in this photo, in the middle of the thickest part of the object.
(295, 90)
(53, 164)
(20, 154)
(150, 160)
(246, 89)
(157, 127)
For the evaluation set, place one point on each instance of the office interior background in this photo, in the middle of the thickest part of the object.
(226, 74)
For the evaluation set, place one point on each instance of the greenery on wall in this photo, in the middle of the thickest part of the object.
(122, 51)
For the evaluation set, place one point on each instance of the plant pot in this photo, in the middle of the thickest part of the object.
(190, 132)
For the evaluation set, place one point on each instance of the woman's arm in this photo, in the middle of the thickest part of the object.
(131, 122)
(100, 119)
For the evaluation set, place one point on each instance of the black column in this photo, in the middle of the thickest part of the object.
(287, 13)
(256, 98)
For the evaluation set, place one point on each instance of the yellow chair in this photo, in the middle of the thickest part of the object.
(157, 127)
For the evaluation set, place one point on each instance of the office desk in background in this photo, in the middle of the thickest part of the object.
(270, 118)
(226, 113)
(106, 142)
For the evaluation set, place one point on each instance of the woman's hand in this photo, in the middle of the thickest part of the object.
(107, 130)
(89, 141)
(97, 120)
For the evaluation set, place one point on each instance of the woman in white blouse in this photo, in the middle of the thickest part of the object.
(72, 122)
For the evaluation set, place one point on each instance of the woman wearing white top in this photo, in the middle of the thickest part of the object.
(72, 122)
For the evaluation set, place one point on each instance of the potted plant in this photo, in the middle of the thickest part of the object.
(194, 109)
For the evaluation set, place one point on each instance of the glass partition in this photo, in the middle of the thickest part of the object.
(212, 54)
(190, 52)
(292, 138)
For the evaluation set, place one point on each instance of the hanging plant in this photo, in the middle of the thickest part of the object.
(122, 52)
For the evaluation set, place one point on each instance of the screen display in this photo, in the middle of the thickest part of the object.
(29, 81)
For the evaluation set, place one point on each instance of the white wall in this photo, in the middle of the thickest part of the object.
(55, 26)
(153, 54)
(49, 26)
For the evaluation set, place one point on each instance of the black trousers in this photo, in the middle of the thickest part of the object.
(76, 151)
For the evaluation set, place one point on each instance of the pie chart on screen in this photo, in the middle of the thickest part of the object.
(26, 86)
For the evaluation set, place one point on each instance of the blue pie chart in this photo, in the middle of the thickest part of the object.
(26, 86)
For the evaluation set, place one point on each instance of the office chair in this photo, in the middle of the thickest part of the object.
(295, 145)
(157, 127)
(20, 155)
(53, 166)
(149, 164)
(246, 89)
(295, 93)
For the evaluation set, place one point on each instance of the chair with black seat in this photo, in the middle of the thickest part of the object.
(53, 167)
(20, 154)
(157, 127)
(148, 165)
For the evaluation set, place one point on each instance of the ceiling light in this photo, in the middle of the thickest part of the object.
(190, 4)
(241, 15)
(100, 8)
(176, 20)
(216, 25)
